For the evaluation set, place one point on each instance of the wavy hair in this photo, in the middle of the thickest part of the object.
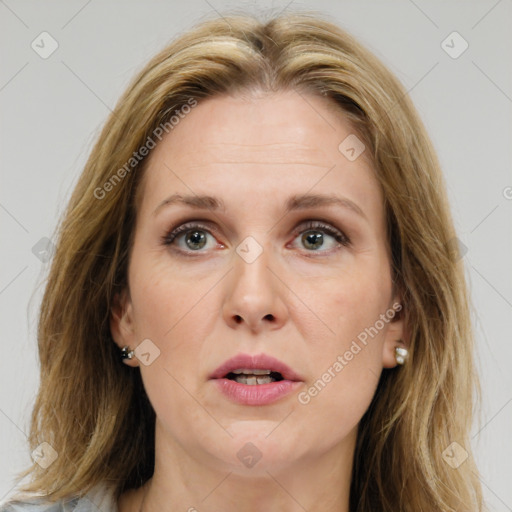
(94, 410)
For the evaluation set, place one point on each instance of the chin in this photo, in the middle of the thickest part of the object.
(256, 450)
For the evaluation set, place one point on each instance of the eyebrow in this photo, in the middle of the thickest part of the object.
(294, 203)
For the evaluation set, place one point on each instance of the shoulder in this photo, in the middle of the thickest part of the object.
(39, 505)
(99, 499)
(35, 505)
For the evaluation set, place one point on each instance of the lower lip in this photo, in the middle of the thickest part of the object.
(258, 394)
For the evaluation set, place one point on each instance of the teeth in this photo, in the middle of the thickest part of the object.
(253, 379)
(252, 372)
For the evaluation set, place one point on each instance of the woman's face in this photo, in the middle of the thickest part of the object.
(273, 269)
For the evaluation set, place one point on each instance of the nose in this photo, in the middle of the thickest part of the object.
(254, 298)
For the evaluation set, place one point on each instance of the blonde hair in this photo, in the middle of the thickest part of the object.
(94, 410)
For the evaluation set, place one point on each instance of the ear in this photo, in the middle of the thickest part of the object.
(396, 335)
(121, 324)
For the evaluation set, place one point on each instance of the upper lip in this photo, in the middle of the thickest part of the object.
(257, 361)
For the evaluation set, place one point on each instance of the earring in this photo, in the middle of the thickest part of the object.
(401, 355)
(126, 353)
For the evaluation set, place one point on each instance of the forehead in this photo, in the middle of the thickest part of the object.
(275, 127)
(277, 144)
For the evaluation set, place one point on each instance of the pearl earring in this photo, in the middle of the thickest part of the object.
(401, 355)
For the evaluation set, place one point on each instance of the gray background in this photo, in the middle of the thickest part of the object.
(53, 108)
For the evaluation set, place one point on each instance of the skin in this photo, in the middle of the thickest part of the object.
(300, 305)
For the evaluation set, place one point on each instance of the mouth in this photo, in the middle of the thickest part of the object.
(254, 370)
(256, 380)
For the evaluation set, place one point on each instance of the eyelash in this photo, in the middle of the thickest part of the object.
(338, 235)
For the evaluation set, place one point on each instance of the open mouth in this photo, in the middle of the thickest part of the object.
(254, 377)
(255, 380)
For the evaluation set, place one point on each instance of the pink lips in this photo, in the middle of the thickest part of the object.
(258, 394)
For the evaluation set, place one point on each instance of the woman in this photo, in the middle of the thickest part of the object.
(262, 235)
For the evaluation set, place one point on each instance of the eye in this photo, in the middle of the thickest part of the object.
(312, 236)
(194, 237)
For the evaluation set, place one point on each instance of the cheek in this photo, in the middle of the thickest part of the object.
(175, 311)
(167, 310)
(347, 361)
(345, 306)
(347, 358)
(340, 401)
(161, 299)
